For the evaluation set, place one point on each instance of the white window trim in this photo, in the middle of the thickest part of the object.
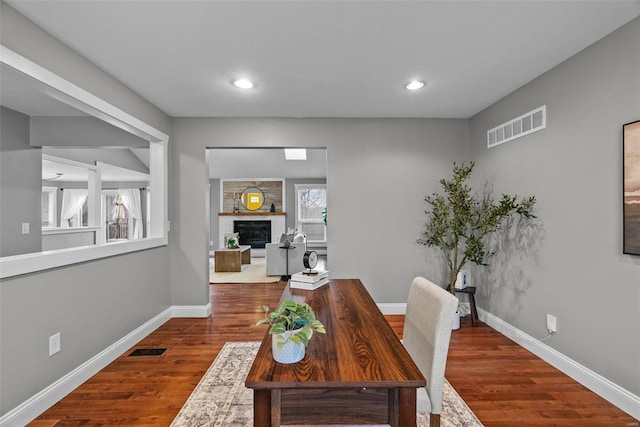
(158, 153)
(309, 221)
(53, 203)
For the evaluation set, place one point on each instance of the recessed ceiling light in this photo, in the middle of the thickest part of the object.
(243, 83)
(295, 153)
(415, 85)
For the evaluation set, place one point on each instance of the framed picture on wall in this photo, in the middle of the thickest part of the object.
(631, 178)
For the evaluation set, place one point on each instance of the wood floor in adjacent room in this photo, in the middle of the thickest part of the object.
(504, 384)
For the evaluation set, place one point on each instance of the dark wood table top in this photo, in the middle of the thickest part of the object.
(359, 349)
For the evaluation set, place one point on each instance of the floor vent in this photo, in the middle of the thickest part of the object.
(530, 122)
(148, 352)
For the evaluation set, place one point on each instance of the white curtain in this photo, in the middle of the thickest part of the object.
(131, 200)
(72, 201)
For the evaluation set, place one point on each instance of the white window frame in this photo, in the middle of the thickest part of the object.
(53, 206)
(299, 221)
(77, 97)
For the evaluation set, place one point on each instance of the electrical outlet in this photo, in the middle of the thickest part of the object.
(551, 323)
(54, 344)
(25, 228)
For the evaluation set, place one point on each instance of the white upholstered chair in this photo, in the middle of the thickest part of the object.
(276, 258)
(427, 330)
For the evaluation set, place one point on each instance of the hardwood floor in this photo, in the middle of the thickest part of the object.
(503, 383)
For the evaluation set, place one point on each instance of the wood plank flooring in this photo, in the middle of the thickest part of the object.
(504, 384)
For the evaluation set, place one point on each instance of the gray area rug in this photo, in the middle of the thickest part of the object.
(221, 399)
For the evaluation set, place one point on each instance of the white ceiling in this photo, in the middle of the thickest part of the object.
(327, 58)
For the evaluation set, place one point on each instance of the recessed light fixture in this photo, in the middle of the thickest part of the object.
(295, 153)
(415, 85)
(243, 83)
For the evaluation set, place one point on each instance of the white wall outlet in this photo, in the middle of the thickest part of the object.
(25, 228)
(551, 323)
(54, 344)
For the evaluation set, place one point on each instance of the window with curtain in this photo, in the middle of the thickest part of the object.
(74, 211)
(311, 200)
(117, 217)
(123, 214)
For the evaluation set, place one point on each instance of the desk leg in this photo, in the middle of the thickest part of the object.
(393, 418)
(406, 407)
(262, 408)
(474, 310)
(276, 406)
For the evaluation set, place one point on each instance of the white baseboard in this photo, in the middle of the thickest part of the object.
(393, 308)
(191, 310)
(608, 390)
(43, 400)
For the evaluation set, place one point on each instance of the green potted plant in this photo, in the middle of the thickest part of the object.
(458, 222)
(232, 243)
(292, 326)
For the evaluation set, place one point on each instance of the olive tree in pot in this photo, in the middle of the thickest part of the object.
(458, 221)
(292, 326)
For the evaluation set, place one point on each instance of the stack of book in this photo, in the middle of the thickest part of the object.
(309, 281)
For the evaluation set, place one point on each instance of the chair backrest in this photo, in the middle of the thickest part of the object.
(427, 330)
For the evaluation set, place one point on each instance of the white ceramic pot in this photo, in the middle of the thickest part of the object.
(288, 353)
(456, 321)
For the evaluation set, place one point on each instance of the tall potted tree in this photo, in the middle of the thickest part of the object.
(458, 221)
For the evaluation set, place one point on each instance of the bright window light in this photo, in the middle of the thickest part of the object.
(295, 153)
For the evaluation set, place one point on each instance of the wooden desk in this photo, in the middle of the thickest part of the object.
(356, 373)
(232, 259)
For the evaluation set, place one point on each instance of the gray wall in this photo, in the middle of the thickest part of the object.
(571, 264)
(20, 195)
(83, 301)
(68, 240)
(373, 226)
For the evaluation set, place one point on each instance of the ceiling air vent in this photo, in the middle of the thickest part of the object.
(520, 126)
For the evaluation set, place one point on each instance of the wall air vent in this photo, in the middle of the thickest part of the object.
(530, 122)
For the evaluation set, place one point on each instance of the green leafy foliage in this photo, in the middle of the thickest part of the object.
(292, 316)
(232, 243)
(458, 221)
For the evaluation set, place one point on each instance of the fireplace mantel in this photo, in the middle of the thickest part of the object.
(251, 213)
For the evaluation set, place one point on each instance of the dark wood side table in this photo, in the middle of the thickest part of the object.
(286, 248)
(471, 291)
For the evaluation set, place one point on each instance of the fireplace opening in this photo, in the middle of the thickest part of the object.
(254, 233)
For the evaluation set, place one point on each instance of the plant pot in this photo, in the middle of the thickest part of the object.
(289, 352)
(456, 321)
